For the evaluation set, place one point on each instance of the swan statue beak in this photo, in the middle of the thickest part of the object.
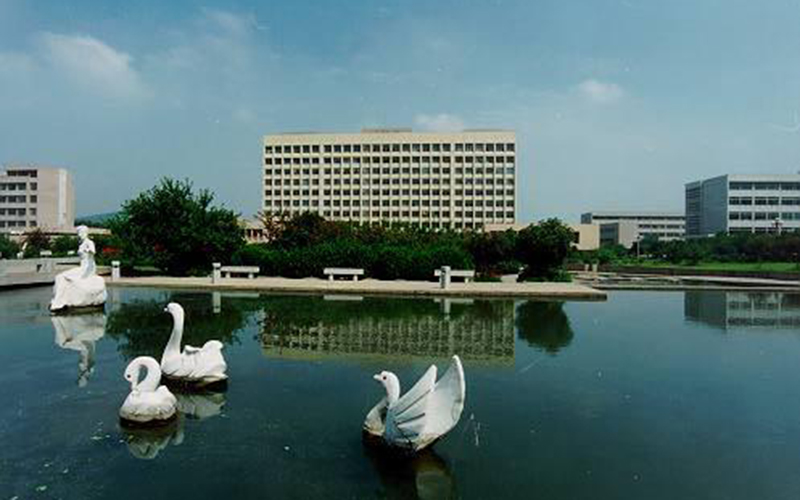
(377, 377)
(166, 309)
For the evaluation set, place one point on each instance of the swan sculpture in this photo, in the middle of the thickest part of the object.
(195, 366)
(148, 402)
(422, 415)
(80, 286)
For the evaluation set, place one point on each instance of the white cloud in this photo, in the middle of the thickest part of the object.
(93, 64)
(442, 122)
(600, 92)
(233, 24)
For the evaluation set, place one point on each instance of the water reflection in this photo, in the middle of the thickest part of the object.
(146, 444)
(142, 328)
(79, 333)
(309, 327)
(424, 476)
(741, 309)
(544, 325)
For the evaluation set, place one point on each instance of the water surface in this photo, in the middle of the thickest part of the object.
(648, 395)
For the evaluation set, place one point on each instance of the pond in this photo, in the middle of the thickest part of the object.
(648, 395)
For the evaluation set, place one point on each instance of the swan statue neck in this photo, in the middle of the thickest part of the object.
(392, 385)
(151, 380)
(174, 344)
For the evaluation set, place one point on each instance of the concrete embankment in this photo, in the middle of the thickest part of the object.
(555, 291)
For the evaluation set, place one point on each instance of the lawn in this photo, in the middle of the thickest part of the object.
(774, 267)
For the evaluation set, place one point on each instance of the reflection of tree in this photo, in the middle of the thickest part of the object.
(142, 328)
(544, 325)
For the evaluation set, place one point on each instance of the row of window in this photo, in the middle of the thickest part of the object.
(22, 173)
(375, 160)
(763, 200)
(416, 214)
(388, 192)
(764, 215)
(17, 186)
(390, 148)
(765, 186)
(598, 219)
(388, 171)
(17, 211)
(17, 199)
(17, 223)
(384, 182)
(769, 229)
(675, 227)
(394, 203)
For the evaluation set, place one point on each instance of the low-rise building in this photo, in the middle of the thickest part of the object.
(36, 197)
(736, 203)
(587, 236)
(626, 228)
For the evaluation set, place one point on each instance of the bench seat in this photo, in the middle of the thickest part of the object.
(332, 272)
(250, 271)
(467, 274)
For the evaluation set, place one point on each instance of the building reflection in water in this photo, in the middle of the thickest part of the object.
(479, 330)
(742, 309)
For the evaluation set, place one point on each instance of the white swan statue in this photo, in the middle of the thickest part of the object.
(148, 402)
(195, 366)
(80, 286)
(422, 415)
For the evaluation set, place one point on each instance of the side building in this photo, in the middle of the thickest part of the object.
(442, 180)
(626, 228)
(743, 204)
(36, 197)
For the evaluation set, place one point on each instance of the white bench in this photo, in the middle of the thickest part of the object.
(331, 272)
(457, 273)
(250, 271)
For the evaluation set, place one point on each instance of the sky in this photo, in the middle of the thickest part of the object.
(616, 104)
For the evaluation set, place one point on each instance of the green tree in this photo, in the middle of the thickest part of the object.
(65, 243)
(175, 229)
(8, 248)
(543, 248)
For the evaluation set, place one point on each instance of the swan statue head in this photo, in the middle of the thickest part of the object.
(132, 372)
(391, 383)
(176, 310)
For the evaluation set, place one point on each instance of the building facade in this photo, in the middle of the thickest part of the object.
(443, 180)
(743, 204)
(626, 228)
(36, 197)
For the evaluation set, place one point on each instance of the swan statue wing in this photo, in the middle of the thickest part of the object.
(405, 421)
(446, 402)
(187, 349)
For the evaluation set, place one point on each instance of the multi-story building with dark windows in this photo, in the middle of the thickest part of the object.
(743, 203)
(36, 197)
(464, 179)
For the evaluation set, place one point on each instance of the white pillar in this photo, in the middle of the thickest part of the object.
(216, 273)
(115, 273)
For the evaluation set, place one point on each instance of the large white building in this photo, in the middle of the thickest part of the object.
(743, 204)
(36, 197)
(457, 180)
(626, 228)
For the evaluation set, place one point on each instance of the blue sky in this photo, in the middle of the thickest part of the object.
(616, 104)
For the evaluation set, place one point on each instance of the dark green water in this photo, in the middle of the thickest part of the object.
(648, 395)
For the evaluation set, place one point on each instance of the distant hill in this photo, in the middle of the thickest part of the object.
(94, 220)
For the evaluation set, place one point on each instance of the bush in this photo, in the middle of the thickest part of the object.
(35, 242)
(543, 248)
(8, 248)
(65, 243)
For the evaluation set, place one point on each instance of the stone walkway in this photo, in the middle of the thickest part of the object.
(373, 287)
